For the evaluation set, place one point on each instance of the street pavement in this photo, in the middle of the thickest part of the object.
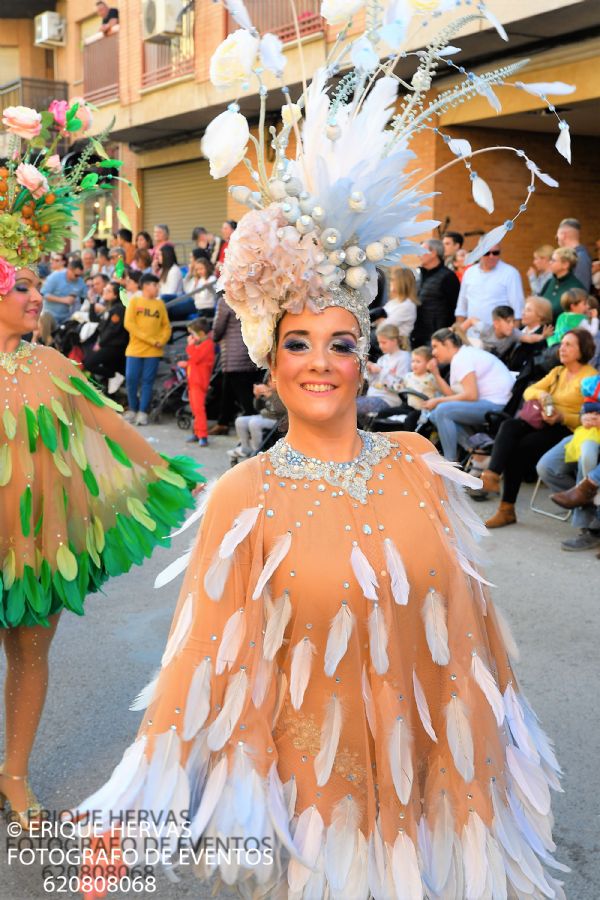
(99, 663)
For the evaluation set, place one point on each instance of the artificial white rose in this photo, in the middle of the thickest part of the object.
(336, 12)
(233, 60)
(225, 141)
(290, 113)
(258, 333)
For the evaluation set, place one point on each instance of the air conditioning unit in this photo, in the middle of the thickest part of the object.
(161, 19)
(49, 30)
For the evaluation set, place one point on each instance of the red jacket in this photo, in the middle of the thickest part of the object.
(201, 361)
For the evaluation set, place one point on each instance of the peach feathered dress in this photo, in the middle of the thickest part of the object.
(338, 684)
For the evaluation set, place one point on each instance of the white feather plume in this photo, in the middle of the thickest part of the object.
(308, 838)
(496, 871)
(423, 707)
(518, 727)
(162, 771)
(367, 696)
(262, 677)
(400, 754)
(170, 572)
(341, 842)
(213, 789)
(358, 876)
(278, 811)
(469, 570)
(218, 572)
(436, 629)
(278, 553)
(197, 705)
(276, 625)
(530, 778)
(340, 631)
(405, 869)
(506, 634)
(238, 12)
(199, 510)
(442, 843)
(397, 572)
(482, 194)
(302, 656)
(330, 738)
(487, 683)
(215, 577)
(460, 739)
(180, 632)
(231, 641)
(146, 695)
(378, 640)
(108, 795)
(220, 730)
(364, 573)
(451, 470)
(474, 857)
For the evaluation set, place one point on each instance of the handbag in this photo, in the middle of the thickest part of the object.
(531, 411)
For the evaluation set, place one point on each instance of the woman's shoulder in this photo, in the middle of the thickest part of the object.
(242, 483)
(409, 442)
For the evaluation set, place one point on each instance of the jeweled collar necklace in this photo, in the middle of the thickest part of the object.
(351, 476)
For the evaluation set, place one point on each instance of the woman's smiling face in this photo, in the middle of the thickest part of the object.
(20, 308)
(317, 367)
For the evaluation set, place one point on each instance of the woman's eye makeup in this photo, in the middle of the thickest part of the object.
(23, 287)
(295, 344)
(344, 346)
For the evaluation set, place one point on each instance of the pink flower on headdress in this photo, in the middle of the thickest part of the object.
(8, 276)
(53, 163)
(83, 113)
(59, 108)
(23, 121)
(32, 179)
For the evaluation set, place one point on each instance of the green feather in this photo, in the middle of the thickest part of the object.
(64, 386)
(86, 389)
(140, 513)
(59, 411)
(90, 482)
(25, 511)
(32, 428)
(61, 465)
(66, 563)
(38, 525)
(47, 428)
(5, 465)
(65, 435)
(169, 476)
(15, 603)
(10, 424)
(118, 452)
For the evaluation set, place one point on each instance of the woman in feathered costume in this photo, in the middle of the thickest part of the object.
(82, 496)
(337, 684)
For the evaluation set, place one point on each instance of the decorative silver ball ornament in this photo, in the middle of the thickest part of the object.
(305, 224)
(375, 251)
(355, 255)
(356, 277)
(291, 211)
(357, 202)
(389, 244)
(330, 238)
(293, 186)
(307, 203)
(333, 132)
(337, 257)
(318, 214)
(240, 193)
(277, 189)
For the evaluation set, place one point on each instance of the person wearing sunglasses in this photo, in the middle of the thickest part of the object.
(489, 284)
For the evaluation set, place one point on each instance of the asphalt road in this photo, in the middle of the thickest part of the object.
(99, 663)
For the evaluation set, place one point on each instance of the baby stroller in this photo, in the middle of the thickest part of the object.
(171, 396)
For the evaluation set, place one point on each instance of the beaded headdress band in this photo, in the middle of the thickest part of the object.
(321, 222)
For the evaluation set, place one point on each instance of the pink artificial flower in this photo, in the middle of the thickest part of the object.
(32, 179)
(83, 113)
(53, 163)
(8, 276)
(22, 121)
(58, 108)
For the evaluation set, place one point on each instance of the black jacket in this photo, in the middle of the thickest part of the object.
(438, 293)
(111, 330)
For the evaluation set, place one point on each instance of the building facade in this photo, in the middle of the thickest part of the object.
(150, 80)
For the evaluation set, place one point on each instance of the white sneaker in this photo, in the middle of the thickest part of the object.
(238, 453)
(115, 382)
(141, 418)
(130, 415)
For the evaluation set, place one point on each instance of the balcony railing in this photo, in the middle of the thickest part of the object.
(101, 68)
(172, 58)
(276, 17)
(36, 93)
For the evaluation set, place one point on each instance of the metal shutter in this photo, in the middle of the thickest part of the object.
(183, 196)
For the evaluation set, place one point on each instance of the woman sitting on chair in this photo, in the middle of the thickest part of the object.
(519, 443)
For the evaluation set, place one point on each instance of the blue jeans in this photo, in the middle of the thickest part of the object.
(179, 310)
(140, 369)
(450, 417)
(562, 476)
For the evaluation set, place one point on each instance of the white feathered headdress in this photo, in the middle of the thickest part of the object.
(322, 222)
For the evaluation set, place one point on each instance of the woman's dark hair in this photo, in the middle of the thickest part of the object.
(116, 288)
(142, 257)
(169, 258)
(207, 265)
(146, 237)
(587, 345)
(448, 334)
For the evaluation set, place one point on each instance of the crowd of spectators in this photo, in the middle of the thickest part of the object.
(458, 351)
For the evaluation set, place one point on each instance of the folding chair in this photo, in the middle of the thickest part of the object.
(560, 517)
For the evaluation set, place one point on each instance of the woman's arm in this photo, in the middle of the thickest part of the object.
(441, 383)
(535, 391)
(468, 393)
